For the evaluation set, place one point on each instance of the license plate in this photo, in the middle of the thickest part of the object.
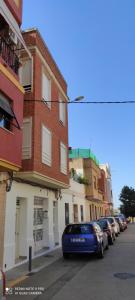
(76, 240)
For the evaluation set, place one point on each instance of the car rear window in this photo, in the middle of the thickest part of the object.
(111, 220)
(102, 223)
(79, 229)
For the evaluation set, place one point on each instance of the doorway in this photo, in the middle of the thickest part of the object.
(55, 223)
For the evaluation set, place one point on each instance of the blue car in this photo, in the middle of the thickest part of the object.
(84, 238)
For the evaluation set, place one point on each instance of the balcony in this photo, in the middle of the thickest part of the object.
(9, 55)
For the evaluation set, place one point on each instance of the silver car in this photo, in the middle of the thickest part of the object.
(114, 225)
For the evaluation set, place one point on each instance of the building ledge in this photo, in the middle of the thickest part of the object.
(38, 179)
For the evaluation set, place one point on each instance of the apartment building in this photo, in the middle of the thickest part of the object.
(108, 200)
(36, 189)
(86, 166)
(11, 102)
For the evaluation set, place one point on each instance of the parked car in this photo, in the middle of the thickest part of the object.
(114, 224)
(106, 227)
(84, 238)
(124, 220)
(120, 222)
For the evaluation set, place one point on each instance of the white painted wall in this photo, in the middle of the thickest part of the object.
(74, 195)
(26, 194)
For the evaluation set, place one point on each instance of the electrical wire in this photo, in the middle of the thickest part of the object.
(82, 102)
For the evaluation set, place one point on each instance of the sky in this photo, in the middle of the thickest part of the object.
(93, 44)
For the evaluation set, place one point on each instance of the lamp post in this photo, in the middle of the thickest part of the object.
(77, 99)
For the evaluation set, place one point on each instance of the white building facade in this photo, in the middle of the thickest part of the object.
(37, 217)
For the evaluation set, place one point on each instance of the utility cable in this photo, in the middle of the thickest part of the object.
(82, 102)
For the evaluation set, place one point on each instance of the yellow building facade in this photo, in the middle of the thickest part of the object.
(89, 173)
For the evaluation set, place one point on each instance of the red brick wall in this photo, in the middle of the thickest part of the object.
(41, 114)
(34, 38)
(11, 145)
(15, 10)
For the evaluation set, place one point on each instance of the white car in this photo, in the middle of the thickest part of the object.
(114, 225)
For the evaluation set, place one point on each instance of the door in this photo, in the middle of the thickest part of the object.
(38, 223)
(66, 213)
(75, 209)
(55, 223)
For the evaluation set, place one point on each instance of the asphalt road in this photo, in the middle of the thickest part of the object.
(87, 278)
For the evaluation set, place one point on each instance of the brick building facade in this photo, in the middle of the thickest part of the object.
(11, 101)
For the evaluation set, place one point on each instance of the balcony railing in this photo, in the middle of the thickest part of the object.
(9, 55)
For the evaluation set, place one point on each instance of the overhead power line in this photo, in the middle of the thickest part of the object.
(82, 102)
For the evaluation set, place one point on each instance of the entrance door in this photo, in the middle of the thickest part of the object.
(38, 223)
(17, 229)
(55, 223)
(75, 210)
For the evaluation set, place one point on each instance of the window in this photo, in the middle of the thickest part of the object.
(81, 211)
(46, 146)
(90, 207)
(25, 73)
(46, 89)
(79, 229)
(38, 235)
(27, 135)
(66, 213)
(95, 182)
(38, 216)
(6, 112)
(62, 110)
(63, 158)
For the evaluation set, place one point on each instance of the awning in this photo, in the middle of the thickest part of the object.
(5, 12)
(6, 107)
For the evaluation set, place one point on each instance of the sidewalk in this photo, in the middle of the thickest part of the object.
(19, 273)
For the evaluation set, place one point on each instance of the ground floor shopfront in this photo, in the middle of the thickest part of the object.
(31, 220)
(37, 217)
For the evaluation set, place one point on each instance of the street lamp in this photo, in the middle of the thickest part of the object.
(77, 99)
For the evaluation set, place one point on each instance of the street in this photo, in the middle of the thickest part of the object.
(87, 277)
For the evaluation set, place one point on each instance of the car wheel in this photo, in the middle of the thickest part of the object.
(114, 237)
(101, 252)
(65, 255)
(111, 241)
(107, 246)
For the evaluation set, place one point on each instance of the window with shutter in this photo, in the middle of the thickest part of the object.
(26, 74)
(62, 110)
(46, 146)
(27, 136)
(63, 158)
(46, 89)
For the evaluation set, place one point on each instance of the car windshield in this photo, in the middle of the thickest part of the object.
(79, 229)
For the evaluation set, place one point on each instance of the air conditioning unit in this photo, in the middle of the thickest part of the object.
(13, 36)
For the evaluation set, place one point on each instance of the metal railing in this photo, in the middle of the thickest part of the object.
(9, 55)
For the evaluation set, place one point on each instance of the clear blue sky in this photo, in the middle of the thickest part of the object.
(93, 43)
